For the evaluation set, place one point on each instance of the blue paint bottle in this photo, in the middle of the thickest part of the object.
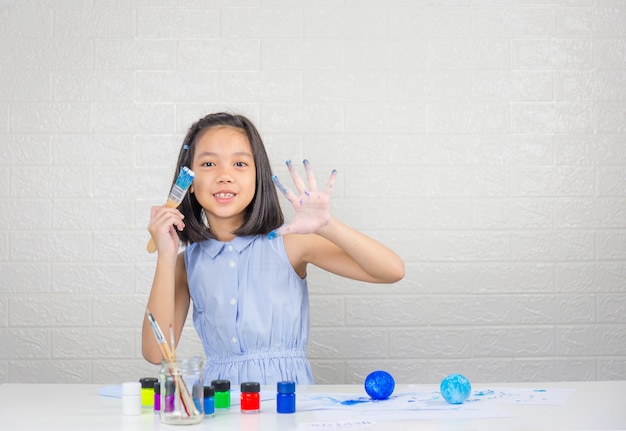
(286, 397)
(209, 401)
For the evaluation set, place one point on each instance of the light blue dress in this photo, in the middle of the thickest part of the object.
(250, 309)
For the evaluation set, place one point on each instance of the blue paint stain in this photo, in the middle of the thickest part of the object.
(353, 402)
(280, 185)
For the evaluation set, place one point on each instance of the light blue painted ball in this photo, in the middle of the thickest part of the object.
(455, 388)
(379, 385)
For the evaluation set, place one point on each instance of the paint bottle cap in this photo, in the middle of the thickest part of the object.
(157, 388)
(131, 388)
(221, 385)
(286, 387)
(148, 382)
(170, 387)
(250, 387)
(209, 391)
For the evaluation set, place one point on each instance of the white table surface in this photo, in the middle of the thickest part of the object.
(52, 407)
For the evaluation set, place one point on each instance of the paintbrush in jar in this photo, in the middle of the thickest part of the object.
(170, 358)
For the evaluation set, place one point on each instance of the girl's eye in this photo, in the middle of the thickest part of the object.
(208, 164)
(241, 164)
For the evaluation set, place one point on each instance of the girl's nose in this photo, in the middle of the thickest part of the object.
(224, 176)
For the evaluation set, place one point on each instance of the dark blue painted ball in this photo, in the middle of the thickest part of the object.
(379, 385)
(455, 388)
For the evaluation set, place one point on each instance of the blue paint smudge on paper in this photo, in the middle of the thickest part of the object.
(353, 402)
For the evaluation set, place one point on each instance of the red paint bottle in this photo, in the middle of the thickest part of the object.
(250, 397)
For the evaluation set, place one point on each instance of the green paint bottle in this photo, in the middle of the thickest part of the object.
(222, 393)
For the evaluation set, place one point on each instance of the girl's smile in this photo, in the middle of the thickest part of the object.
(224, 197)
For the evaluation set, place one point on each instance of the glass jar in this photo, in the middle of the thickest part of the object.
(182, 393)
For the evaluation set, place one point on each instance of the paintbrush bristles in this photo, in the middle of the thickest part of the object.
(184, 180)
(155, 328)
(160, 338)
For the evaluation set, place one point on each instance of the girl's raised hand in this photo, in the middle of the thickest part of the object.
(312, 206)
(162, 227)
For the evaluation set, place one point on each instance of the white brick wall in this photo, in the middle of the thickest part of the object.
(485, 143)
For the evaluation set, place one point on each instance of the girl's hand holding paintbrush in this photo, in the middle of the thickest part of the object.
(162, 227)
(164, 219)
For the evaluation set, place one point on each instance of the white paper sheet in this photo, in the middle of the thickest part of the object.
(416, 403)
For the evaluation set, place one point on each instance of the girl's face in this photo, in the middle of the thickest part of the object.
(225, 175)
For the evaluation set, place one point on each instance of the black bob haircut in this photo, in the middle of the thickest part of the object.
(262, 215)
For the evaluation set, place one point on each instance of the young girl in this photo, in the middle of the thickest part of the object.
(243, 269)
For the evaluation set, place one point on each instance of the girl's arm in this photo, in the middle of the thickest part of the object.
(169, 297)
(335, 247)
(168, 302)
(344, 251)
